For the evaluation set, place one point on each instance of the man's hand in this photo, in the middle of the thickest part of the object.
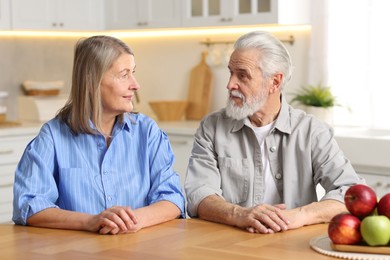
(263, 218)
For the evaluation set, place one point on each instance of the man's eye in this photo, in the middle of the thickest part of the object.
(125, 76)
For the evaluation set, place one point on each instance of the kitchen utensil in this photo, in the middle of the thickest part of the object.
(169, 110)
(199, 93)
(42, 88)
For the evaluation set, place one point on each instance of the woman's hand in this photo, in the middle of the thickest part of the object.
(115, 220)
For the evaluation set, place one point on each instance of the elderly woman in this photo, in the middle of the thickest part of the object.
(97, 166)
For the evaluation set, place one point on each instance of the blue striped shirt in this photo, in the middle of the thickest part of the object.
(79, 173)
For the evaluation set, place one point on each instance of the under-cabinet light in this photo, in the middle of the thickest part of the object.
(144, 33)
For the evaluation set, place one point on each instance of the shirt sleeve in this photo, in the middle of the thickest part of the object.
(203, 176)
(330, 166)
(165, 181)
(34, 186)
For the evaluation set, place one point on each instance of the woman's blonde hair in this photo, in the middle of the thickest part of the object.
(92, 58)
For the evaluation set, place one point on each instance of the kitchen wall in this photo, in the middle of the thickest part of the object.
(163, 65)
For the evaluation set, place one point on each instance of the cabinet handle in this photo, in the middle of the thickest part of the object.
(378, 184)
(54, 24)
(229, 19)
(179, 142)
(8, 185)
(4, 152)
(61, 24)
(142, 23)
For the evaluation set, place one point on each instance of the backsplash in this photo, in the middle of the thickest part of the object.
(163, 66)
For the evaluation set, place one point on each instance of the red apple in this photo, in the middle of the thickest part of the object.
(344, 229)
(360, 200)
(383, 206)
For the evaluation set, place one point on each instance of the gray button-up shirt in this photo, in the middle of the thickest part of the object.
(302, 151)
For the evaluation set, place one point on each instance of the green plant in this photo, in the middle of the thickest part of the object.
(317, 96)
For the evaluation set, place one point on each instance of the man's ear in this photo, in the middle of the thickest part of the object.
(276, 82)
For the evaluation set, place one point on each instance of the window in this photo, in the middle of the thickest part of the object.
(358, 61)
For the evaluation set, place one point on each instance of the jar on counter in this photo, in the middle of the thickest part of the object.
(3, 107)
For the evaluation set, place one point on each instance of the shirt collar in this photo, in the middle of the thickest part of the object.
(128, 120)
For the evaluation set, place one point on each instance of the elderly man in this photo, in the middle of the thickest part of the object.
(255, 164)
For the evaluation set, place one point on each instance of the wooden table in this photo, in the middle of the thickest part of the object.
(177, 239)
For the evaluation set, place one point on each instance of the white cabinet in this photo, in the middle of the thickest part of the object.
(133, 14)
(5, 20)
(13, 141)
(380, 183)
(181, 146)
(57, 14)
(181, 136)
(245, 12)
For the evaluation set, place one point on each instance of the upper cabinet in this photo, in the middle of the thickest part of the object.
(57, 14)
(5, 19)
(131, 14)
(138, 14)
(245, 12)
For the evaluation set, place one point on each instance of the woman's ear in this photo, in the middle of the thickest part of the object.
(276, 82)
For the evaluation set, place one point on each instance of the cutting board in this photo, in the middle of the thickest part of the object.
(361, 249)
(199, 92)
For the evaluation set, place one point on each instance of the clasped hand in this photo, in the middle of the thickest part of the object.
(268, 219)
(116, 220)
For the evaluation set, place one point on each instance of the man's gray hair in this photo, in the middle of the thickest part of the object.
(274, 57)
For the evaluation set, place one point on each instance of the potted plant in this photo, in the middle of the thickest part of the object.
(317, 100)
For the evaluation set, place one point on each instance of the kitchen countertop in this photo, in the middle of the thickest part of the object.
(17, 128)
(179, 127)
(368, 149)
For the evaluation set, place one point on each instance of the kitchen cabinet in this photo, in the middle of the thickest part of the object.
(5, 20)
(13, 141)
(245, 12)
(379, 182)
(57, 14)
(139, 14)
(181, 146)
(181, 136)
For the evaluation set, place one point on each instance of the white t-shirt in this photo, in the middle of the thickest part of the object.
(271, 194)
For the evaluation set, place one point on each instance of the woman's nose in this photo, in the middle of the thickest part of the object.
(134, 84)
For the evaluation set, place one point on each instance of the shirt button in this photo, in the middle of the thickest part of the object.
(278, 176)
(109, 198)
(272, 149)
(105, 172)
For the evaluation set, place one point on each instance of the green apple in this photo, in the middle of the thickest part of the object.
(375, 230)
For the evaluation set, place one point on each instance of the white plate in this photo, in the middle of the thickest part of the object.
(321, 244)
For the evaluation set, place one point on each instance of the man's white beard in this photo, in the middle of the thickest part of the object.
(249, 107)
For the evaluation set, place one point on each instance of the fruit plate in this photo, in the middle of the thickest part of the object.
(361, 249)
(323, 245)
